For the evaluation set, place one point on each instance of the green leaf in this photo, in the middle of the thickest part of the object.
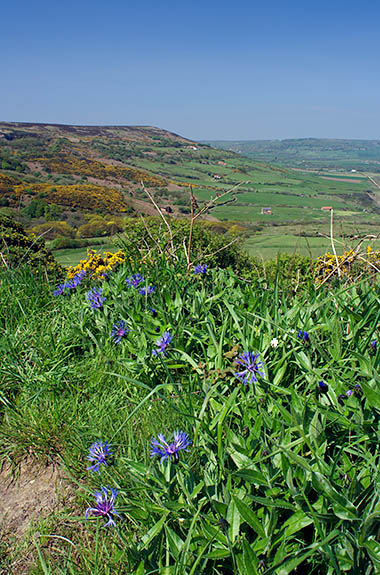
(372, 395)
(233, 518)
(373, 548)
(249, 516)
(280, 374)
(296, 522)
(249, 559)
(174, 540)
(278, 503)
(300, 461)
(291, 565)
(240, 460)
(252, 476)
(342, 506)
(304, 361)
(219, 554)
(152, 533)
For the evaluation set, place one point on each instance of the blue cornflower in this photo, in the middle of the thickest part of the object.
(154, 312)
(323, 387)
(349, 392)
(162, 344)
(134, 280)
(200, 269)
(59, 290)
(104, 505)
(170, 450)
(99, 452)
(147, 290)
(95, 298)
(374, 344)
(78, 277)
(71, 284)
(119, 330)
(303, 335)
(253, 367)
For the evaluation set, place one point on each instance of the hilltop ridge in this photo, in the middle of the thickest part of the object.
(130, 132)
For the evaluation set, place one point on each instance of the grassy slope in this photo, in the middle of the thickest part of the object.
(302, 469)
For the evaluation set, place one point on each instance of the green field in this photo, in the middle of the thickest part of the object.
(71, 257)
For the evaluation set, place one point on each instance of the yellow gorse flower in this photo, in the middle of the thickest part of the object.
(97, 265)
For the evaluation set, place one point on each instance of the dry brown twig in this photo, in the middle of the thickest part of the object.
(194, 206)
(210, 205)
(162, 216)
(332, 241)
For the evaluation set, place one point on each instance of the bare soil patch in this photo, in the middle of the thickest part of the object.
(34, 494)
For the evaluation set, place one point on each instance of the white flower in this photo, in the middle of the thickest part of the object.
(274, 342)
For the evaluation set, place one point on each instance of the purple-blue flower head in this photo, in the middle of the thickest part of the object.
(59, 290)
(253, 367)
(303, 335)
(323, 387)
(70, 284)
(162, 344)
(119, 330)
(374, 344)
(154, 312)
(146, 290)
(105, 500)
(95, 298)
(134, 280)
(78, 277)
(200, 269)
(167, 450)
(99, 453)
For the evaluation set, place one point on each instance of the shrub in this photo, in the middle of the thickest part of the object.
(348, 267)
(88, 197)
(16, 248)
(97, 265)
(51, 230)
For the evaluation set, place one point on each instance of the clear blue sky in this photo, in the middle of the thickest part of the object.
(204, 69)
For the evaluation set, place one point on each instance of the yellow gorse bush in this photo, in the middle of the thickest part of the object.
(97, 265)
(351, 264)
(86, 196)
(72, 165)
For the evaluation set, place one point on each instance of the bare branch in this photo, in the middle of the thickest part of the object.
(162, 216)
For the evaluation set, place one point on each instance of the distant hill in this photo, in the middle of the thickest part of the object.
(81, 181)
(311, 153)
